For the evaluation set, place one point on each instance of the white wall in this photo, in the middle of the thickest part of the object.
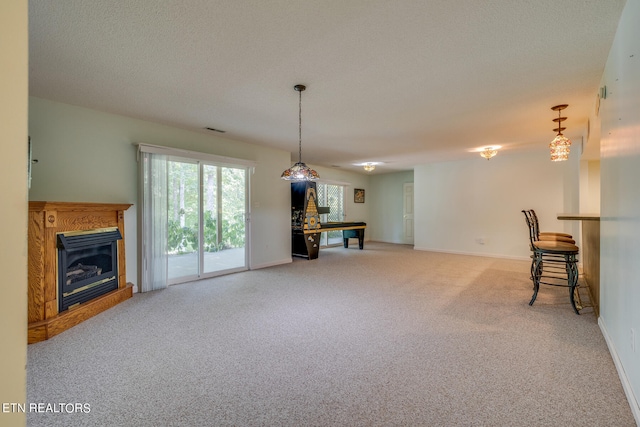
(590, 186)
(474, 206)
(620, 202)
(387, 206)
(13, 215)
(382, 209)
(88, 156)
(593, 189)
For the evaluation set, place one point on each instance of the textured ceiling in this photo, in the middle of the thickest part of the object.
(403, 82)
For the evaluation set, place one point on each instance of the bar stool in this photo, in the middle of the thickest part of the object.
(536, 236)
(549, 235)
(554, 262)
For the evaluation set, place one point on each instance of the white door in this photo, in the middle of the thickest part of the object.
(407, 212)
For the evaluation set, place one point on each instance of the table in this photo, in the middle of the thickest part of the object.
(349, 230)
(306, 243)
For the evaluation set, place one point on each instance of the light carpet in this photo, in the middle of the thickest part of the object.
(386, 336)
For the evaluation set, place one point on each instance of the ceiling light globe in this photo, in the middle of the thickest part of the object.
(488, 152)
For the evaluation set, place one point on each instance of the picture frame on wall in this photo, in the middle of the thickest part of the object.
(358, 195)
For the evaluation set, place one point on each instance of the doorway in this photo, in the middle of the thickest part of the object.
(407, 212)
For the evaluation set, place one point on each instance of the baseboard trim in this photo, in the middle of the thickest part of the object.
(394, 242)
(626, 385)
(271, 264)
(519, 258)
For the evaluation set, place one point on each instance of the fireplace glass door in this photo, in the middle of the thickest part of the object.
(87, 265)
(206, 215)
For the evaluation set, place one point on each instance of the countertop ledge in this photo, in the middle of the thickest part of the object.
(579, 216)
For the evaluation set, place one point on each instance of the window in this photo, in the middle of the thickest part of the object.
(331, 196)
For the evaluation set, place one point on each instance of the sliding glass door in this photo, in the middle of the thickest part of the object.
(206, 219)
(194, 215)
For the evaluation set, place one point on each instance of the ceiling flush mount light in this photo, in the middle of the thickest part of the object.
(300, 171)
(489, 152)
(368, 166)
(560, 145)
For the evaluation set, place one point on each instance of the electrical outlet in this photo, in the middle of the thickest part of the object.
(480, 240)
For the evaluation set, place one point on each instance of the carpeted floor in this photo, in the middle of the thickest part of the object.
(387, 336)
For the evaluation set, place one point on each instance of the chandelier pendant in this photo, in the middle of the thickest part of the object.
(300, 171)
(560, 146)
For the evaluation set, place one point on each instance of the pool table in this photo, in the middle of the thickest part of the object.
(306, 243)
(349, 230)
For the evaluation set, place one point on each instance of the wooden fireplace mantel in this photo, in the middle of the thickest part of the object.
(46, 220)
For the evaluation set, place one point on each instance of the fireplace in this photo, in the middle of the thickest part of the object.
(87, 265)
(77, 265)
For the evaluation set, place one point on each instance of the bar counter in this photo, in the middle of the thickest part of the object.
(590, 250)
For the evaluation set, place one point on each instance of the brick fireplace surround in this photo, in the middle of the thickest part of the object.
(46, 220)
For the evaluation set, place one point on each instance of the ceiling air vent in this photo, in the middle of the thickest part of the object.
(215, 130)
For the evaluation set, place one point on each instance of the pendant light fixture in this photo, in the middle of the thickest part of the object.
(560, 145)
(300, 171)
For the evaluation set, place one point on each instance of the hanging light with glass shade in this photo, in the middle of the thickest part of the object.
(560, 146)
(300, 171)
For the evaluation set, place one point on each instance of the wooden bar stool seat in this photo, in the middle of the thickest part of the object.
(555, 238)
(553, 233)
(554, 246)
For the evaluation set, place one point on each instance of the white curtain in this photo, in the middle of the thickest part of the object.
(154, 221)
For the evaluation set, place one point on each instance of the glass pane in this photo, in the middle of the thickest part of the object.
(331, 196)
(225, 222)
(182, 219)
(210, 233)
(321, 193)
(335, 201)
